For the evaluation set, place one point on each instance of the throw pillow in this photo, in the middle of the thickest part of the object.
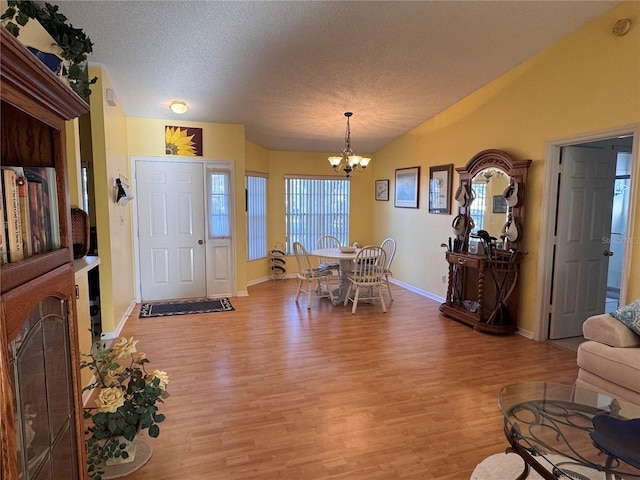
(629, 315)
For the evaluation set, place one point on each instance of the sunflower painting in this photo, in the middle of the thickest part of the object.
(183, 141)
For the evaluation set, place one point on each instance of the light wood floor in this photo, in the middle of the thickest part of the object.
(276, 391)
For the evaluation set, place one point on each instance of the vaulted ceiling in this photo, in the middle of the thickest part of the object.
(288, 70)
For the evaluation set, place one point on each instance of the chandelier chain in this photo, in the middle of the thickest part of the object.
(348, 161)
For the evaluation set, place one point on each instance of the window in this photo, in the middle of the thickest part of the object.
(219, 204)
(84, 175)
(478, 205)
(314, 207)
(256, 188)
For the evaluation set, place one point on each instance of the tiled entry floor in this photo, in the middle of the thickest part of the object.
(569, 343)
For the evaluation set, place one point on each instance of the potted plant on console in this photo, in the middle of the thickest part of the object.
(125, 404)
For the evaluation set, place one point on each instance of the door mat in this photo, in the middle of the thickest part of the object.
(185, 307)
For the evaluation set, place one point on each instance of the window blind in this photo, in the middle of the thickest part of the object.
(256, 194)
(316, 207)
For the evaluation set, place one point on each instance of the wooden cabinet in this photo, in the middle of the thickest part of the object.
(481, 290)
(483, 287)
(41, 425)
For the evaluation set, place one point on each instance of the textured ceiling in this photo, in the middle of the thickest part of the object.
(289, 70)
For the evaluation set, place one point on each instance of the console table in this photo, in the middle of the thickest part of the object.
(480, 290)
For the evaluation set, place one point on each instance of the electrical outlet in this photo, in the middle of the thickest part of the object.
(444, 279)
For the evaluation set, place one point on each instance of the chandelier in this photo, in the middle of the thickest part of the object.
(489, 173)
(348, 161)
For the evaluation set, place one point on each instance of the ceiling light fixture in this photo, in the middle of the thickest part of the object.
(348, 161)
(178, 106)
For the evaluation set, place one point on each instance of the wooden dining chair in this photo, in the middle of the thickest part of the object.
(308, 275)
(389, 247)
(328, 241)
(366, 277)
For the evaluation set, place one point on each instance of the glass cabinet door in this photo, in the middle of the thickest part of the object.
(40, 359)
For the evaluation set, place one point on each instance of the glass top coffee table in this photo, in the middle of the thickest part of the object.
(562, 431)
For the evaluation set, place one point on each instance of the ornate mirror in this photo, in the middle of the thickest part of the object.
(490, 198)
(489, 209)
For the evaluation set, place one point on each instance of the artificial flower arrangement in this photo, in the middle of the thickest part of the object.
(126, 402)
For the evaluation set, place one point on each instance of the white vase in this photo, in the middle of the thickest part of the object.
(34, 35)
(130, 449)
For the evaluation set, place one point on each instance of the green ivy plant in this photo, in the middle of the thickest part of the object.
(74, 42)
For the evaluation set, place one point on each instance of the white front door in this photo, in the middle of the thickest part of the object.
(171, 229)
(582, 238)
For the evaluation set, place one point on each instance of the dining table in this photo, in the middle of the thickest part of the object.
(345, 259)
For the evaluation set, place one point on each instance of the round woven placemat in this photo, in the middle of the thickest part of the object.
(503, 466)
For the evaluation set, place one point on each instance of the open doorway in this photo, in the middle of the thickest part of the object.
(619, 225)
(588, 233)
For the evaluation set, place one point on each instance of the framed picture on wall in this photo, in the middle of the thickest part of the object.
(499, 204)
(407, 187)
(440, 189)
(184, 141)
(382, 190)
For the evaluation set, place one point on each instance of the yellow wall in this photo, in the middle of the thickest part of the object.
(113, 221)
(73, 162)
(257, 158)
(588, 82)
(219, 142)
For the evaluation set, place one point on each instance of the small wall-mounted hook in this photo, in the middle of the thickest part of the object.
(123, 194)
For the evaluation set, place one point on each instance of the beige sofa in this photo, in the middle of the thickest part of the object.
(609, 360)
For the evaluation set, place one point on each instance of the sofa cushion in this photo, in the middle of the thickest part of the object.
(589, 381)
(606, 329)
(629, 315)
(618, 365)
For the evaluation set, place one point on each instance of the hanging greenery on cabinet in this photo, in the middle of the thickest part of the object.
(73, 42)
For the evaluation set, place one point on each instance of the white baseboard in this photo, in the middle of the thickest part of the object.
(260, 280)
(116, 333)
(525, 333)
(86, 395)
(413, 289)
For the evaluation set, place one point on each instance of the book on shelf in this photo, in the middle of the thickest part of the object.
(3, 236)
(46, 176)
(30, 212)
(12, 217)
(25, 216)
(36, 222)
